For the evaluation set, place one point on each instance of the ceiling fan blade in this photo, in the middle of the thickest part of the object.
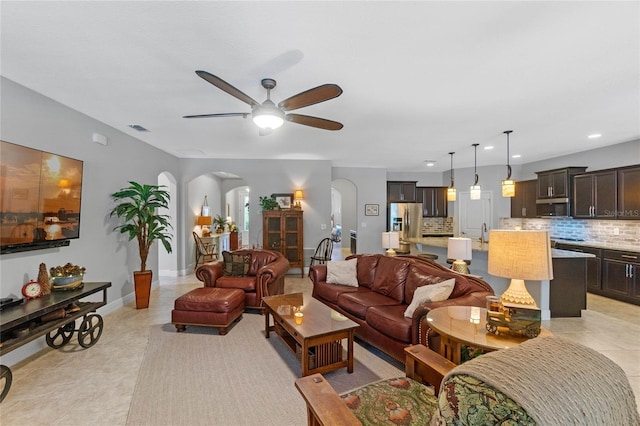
(320, 123)
(224, 114)
(226, 87)
(311, 96)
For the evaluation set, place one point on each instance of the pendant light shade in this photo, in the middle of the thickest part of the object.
(475, 191)
(508, 185)
(451, 191)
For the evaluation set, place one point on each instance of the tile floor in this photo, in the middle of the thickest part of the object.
(73, 386)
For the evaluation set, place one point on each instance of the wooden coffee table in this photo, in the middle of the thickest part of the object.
(318, 340)
(456, 329)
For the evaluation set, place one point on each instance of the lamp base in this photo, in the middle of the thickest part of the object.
(517, 293)
(390, 252)
(460, 266)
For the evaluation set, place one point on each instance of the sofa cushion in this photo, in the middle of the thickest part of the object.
(343, 272)
(430, 293)
(330, 292)
(236, 265)
(390, 320)
(367, 264)
(463, 287)
(247, 283)
(391, 274)
(420, 275)
(357, 303)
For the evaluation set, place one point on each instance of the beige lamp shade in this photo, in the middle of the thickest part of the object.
(459, 248)
(508, 188)
(520, 255)
(390, 241)
(298, 195)
(205, 220)
(451, 194)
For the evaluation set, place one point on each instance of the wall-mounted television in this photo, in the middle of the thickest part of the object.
(40, 195)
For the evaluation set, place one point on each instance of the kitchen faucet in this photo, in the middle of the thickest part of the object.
(482, 231)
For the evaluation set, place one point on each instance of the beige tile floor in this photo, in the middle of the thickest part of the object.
(74, 386)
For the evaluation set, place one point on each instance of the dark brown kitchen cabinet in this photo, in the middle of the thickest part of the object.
(433, 199)
(557, 183)
(523, 204)
(595, 195)
(594, 265)
(620, 271)
(401, 192)
(629, 193)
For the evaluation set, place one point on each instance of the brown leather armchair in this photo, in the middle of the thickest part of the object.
(264, 275)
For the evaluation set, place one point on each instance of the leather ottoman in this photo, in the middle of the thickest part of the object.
(208, 307)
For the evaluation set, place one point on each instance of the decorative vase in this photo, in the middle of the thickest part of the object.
(142, 283)
(43, 279)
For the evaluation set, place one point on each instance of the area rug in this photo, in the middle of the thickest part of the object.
(201, 378)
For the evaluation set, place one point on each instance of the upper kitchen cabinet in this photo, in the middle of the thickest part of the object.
(594, 195)
(401, 192)
(523, 204)
(433, 199)
(557, 183)
(629, 192)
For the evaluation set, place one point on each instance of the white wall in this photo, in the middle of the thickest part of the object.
(33, 120)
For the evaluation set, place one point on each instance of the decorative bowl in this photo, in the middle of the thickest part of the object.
(61, 281)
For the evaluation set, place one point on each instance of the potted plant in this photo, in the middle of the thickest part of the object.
(219, 223)
(138, 208)
(269, 203)
(233, 236)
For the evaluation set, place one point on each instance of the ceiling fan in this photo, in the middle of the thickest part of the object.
(267, 116)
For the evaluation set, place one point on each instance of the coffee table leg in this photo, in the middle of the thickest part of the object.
(266, 323)
(350, 352)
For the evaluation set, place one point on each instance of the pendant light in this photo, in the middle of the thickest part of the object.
(508, 185)
(475, 188)
(451, 191)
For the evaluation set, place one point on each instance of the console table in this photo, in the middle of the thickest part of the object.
(24, 323)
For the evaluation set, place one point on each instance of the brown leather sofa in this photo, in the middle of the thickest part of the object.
(264, 275)
(379, 309)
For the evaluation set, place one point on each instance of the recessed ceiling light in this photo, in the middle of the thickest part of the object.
(429, 163)
(594, 136)
(488, 147)
(516, 156)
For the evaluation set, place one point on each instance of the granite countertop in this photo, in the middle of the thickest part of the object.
(596, 244)
(477, 246)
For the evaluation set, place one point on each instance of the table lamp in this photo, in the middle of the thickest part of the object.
(520, 255)
(204, 222)
(298, 196)
(460, 250)
(390, 241)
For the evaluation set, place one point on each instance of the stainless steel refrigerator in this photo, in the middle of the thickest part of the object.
(405, 218)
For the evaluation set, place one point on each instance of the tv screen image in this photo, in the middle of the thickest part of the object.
(40, 196)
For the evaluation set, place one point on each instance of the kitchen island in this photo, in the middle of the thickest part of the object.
(564, 296)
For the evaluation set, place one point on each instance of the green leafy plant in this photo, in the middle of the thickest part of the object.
(219, 222)
(268, 203)
(138, 207)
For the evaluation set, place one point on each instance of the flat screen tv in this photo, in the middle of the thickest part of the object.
(40, 196)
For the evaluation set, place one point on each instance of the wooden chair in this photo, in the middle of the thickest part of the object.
(323, 252)
(205, 252)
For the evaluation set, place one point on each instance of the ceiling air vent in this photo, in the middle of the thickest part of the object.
(138, 127)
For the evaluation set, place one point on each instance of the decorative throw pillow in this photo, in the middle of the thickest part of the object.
(430, 293)
(343, 272)
(236, 265)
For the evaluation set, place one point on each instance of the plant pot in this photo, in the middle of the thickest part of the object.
(142, 283)
(233, 241)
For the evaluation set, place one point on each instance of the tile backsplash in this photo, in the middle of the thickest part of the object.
(437, 225)
(604, 231)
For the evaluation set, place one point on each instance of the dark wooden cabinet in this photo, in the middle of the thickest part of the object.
(401, 192)
(629, 193)
(523, 204)
(282, 231)
(433, 199)
(620, 271)
(594, 265)
(595, 195)
(557, 183)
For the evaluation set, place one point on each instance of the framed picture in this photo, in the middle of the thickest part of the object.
(371, 209)
(285, 201)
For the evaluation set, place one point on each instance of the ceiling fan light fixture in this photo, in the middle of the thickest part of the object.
(268, 116)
